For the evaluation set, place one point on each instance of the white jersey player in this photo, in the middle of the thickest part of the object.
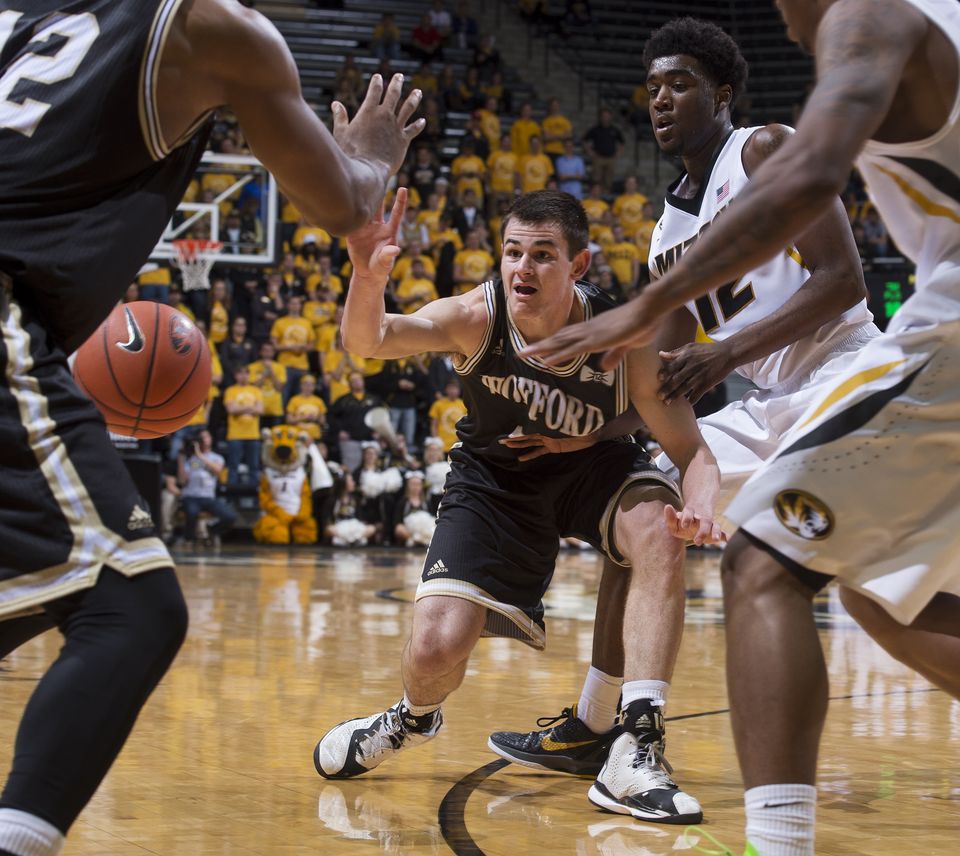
(733, 319)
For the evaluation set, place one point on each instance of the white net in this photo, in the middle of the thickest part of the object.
(195, 259)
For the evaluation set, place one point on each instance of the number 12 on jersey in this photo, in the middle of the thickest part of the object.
(79, 32)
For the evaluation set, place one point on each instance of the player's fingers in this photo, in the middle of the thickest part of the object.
(340, 117)
(672, 519)
(521, 442)
(396, 213)
(717, 535)
(374, 92)
(409, 106)
(702, 535)
(412, 130)
(668, 356)
(529, 456)
(394, 89)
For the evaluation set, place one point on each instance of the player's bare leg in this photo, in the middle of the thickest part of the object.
(635, 778)
(778, 687)
(445, 630)
(930, 645)
(607, 653)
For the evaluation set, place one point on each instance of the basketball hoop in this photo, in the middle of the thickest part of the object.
(195, 258)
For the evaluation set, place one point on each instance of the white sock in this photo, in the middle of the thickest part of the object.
(781, 819)
(655, 691)
(597, 707)
(418, 709)
(28, 835)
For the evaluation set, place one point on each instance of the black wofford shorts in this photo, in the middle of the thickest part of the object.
(68, 506)
(498, 531)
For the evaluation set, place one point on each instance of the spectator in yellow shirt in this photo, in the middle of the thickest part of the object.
(445, 413)
(595, 204)
(472, 265)
(244, 405)
(307, 234)
(404, 264)
(624, 257)
(523, 129)
(628, 206)
(294, 338)
(468, 171)
(338, 365)
(218, 304)
(503, 168)
(535, 168)
(429, 218)
(490, 121)
(557, 130)
(642, 238)
(324, 278)
(415, 289)
(270, 377)
(601, 232)
(307, 410)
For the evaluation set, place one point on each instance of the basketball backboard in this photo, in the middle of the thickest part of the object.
(232, 199)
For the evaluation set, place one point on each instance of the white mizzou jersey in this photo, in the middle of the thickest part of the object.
(727, 310)
(916, 188)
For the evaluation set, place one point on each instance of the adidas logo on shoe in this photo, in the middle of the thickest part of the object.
(139, 519)
(438, 568)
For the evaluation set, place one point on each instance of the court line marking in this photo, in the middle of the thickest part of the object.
(452, 812)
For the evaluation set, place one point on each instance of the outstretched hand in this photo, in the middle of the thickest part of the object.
(617, 331)
(373, 248)
(379, 131)
(690, 525)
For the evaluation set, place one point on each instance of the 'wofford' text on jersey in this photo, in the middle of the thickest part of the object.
(558, 410)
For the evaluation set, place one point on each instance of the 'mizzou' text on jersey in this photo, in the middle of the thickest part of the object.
(556, 409)
(667, 259)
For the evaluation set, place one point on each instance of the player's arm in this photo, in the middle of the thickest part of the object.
(452, 324)
(675, 428)
(827, 250)
(862, 49)
(231, 55)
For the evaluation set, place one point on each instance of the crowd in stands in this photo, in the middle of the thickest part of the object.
(274, 333)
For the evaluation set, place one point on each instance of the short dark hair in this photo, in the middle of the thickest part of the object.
(709, 44)
(552, 206)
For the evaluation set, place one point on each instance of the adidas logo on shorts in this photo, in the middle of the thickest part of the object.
(139, 519)
(438, 568)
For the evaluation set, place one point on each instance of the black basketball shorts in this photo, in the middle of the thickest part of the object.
(67, 504)
(498, 531)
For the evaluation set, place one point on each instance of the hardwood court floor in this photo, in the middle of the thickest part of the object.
(284, 644)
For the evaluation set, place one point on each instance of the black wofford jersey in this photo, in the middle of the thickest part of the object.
(87, 182)
(507, 394)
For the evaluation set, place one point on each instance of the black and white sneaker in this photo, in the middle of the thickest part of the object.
(564, 745)
(635, 779)
(358, 745)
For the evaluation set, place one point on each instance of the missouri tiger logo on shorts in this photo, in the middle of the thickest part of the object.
(803, 514)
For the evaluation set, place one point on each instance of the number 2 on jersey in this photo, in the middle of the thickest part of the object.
(729, 301)
(79, 33)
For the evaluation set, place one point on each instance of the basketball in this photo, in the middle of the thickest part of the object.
(147, 368)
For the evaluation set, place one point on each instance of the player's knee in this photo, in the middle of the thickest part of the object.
(747, 572)
(643, 538)
(162, 618)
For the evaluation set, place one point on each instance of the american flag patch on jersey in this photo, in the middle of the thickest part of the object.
(723, 191)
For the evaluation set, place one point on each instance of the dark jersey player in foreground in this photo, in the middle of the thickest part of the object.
(104, 110)
(858, 491)
(493, 553)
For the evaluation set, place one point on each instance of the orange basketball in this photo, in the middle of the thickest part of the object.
(147, 368)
